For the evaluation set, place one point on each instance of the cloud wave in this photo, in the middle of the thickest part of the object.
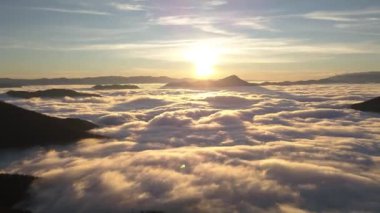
(272, 149)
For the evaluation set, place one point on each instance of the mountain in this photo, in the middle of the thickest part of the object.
(362, 77)
(372, 105)
(21, 128)
(115, 86)
(14, 189)
(88, 81)
(50, 93)
(231, 81)
(357, 78)
(349, 78)
(8, 85)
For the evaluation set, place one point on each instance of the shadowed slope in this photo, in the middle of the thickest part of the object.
(372, 105)
(13, 190)
(23, 128)
(50, 93)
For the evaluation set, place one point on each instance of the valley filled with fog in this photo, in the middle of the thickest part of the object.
(244, 149)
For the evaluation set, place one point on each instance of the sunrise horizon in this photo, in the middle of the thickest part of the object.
(260, 76)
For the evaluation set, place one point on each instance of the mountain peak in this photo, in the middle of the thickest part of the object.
(232, 77)
(233, 80)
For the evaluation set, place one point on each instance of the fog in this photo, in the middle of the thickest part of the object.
(256, 149)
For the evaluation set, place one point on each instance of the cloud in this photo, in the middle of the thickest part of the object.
(175, 180)
(256, 23)
(229, 101)
(216, 2)
(273, 149)
(343, 16)
(233, 49)
(205, 24)
(184, 20)
(169, 119)
(128, 7)
(72, 11)
(141, 103)
(114, 119)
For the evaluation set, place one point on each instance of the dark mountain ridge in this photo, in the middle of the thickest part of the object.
(372, 105)
(115, 87)
(21, 128)
(50, 93)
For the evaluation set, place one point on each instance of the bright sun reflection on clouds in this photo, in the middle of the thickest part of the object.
(204, 57)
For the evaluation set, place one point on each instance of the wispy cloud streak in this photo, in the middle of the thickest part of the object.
(72, 11)
(343, 16)
(128, 7)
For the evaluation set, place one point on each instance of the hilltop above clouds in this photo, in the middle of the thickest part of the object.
(23, 128)
(372, 105)
(49, 93)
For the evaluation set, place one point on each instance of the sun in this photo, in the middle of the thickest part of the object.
(204, 57)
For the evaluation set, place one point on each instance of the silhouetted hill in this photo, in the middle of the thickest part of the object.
(350, 78)
(372, 105)
(231, 81)
(115, 86)
(8, 85)
(50, 93)
(13, 189)
(22, 128)
(88, 81)
(363, 77)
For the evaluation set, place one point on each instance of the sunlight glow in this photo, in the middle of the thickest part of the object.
(204, 57)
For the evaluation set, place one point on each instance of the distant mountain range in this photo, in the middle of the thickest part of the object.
(9, 82)
(350, 78)
(50, 93)
(230, 81)
(115, 87)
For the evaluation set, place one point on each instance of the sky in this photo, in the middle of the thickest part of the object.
(257, 40)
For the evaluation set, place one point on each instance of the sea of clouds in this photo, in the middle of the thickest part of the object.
(256, 149)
